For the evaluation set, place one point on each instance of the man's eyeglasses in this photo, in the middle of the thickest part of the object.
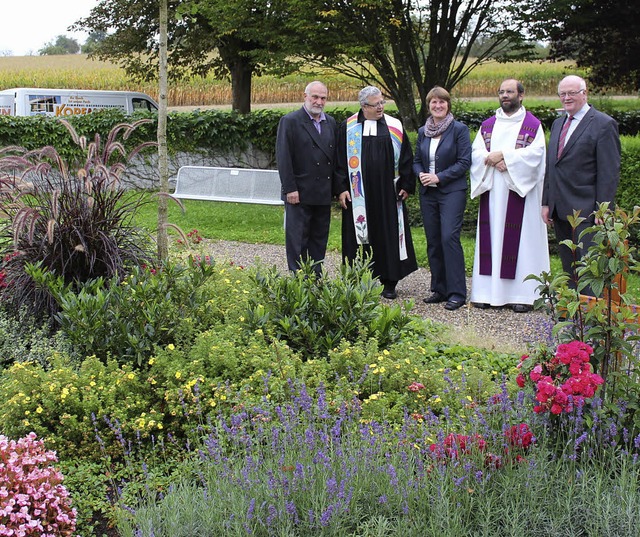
(379, 104)
(564, 94)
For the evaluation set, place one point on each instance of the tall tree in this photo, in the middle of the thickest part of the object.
(62, 45)
(408, 46)
(602, 35)
(234, 39)
(92, 42)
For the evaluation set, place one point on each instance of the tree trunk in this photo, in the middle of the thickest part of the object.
(163, 168)
(241, 72)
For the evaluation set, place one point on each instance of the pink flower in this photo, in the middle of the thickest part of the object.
(536, 373)
(519, 435)
(33, 501)
(556, 409)
(415, 387)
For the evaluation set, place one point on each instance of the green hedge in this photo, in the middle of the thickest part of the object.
(221, 132)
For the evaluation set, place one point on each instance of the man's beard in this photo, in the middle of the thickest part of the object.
(510, 106)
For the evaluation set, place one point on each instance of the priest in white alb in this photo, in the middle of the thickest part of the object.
(507, 174)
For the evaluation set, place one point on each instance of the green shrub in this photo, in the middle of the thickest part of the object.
(24, 339)
(66, 404)
(314, 314)
(128, 318)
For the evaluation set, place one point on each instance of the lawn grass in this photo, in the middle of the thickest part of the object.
(263, 224)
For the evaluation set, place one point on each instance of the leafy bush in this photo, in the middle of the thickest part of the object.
(314, 314)
(67, 404)
(76, 224)
(607, 323)
(23, 339)
(127, 319)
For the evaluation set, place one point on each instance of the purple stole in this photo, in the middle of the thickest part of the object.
(515, 207)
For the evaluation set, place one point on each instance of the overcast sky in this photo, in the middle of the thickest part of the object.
(26, 27)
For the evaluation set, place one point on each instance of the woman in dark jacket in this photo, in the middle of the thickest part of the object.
(442, 159)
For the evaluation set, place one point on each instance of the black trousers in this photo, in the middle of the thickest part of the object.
(306, 233)
(568, 257)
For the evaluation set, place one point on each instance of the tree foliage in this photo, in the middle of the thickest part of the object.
(603, 35)
(408, 46)
(62, 45)
(235, 40)
(93, 42)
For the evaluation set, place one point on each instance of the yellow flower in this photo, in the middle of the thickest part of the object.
(39, 410)
(385, 352)
(152, 361)
(259, 331)
(92, 383)
(131, 376)
(437, 399)
(373, 365)
(459, 367)
(373, 396)
(171, 347)
(178, 374)
(407, 361)
(27, 412)
(241, 318)
(382, 370)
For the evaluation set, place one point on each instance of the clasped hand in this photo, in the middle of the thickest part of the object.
(427, 179)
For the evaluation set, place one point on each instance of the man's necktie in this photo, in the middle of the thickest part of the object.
(563, 135)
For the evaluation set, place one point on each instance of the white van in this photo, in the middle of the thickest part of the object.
(70, 102)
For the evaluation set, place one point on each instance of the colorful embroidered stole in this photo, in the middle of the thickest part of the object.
(356, 186)
(515, 207)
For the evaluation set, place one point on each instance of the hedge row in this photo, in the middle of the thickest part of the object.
(225, 132)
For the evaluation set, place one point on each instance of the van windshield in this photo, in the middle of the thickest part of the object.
(143, 104)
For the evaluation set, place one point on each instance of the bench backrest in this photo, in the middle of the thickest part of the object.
(242, 185)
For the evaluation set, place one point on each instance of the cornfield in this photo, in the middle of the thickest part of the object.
(76, 71)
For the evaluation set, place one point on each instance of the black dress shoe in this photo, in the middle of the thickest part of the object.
(434, 298)
(481, 305)
(390, 294)
(521, 308)
(454, 304)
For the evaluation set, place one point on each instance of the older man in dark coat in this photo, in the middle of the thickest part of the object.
(305, 148)
(583, 168)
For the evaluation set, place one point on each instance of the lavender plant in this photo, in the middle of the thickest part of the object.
(305, 468)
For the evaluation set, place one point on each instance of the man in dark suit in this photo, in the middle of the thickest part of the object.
(305, 148)
(583, 168)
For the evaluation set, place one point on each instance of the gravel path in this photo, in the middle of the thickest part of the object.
(495, 328)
